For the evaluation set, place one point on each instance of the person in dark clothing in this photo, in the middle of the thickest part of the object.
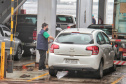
(93, 20)
(42, 45)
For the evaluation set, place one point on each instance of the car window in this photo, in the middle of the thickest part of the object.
(75, 38)
(29, 20)
(6, 29)
(106, 38)
(64, 19)
(100, 38)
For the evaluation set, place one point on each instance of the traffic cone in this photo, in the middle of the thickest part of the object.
(24, 67)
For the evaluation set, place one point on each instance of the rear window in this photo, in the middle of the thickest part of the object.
(75, 38)
(64, 19)
(27, 19)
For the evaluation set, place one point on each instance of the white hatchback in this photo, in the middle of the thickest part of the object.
(81, 49)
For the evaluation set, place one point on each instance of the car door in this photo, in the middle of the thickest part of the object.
(109, 48)
(102, 45)
(6, 36)
(1, 37)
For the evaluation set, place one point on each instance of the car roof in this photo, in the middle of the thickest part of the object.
(81, 30)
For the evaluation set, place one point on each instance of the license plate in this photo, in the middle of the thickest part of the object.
(124, 54)
(69, 61)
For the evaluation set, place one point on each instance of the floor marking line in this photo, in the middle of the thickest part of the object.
(29, 64)
(38, 77)
(116, 81)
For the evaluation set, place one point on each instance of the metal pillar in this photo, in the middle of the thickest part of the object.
(46, 13)
(102, 10)
(84, 13)
(10, 62)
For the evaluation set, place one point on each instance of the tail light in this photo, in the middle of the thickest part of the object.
(68, 27)
(94, 49)
(53, 46)
(34, 35)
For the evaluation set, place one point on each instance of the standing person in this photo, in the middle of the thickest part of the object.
(93, 20)
(42, 45)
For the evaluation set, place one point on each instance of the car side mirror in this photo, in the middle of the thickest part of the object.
(58, 29)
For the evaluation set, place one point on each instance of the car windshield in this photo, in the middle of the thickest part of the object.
(64, 19)
(75, 38)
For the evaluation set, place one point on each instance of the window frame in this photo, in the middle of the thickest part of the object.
(99, 39)
(107, 37)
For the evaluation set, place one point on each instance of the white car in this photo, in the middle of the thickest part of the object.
(81, 49)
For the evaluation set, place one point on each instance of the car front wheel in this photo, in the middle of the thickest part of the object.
(18, 55)
(52, 72)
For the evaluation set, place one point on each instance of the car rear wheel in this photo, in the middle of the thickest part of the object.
(18, 55)
(99, 72)
(52, 72)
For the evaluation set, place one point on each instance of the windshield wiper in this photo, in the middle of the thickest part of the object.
(68, 42)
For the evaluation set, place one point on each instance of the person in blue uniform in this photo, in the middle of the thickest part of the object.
(42, 45)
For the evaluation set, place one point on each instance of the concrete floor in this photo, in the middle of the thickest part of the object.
(42, 77)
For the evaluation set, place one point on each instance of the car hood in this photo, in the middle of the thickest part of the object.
(17, 40)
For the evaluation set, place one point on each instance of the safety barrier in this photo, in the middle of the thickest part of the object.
(117, 62)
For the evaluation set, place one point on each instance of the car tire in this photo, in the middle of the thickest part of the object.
(99, 72)
(27, 52)
(18, 55)
(52, 72)
(113, 68)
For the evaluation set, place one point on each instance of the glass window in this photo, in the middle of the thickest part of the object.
(29, 20)
(64, 19)
(106, 38)
(5, 29)
(100, 38)
(75, 38)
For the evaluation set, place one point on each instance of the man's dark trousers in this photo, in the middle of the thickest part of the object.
(42, 59)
